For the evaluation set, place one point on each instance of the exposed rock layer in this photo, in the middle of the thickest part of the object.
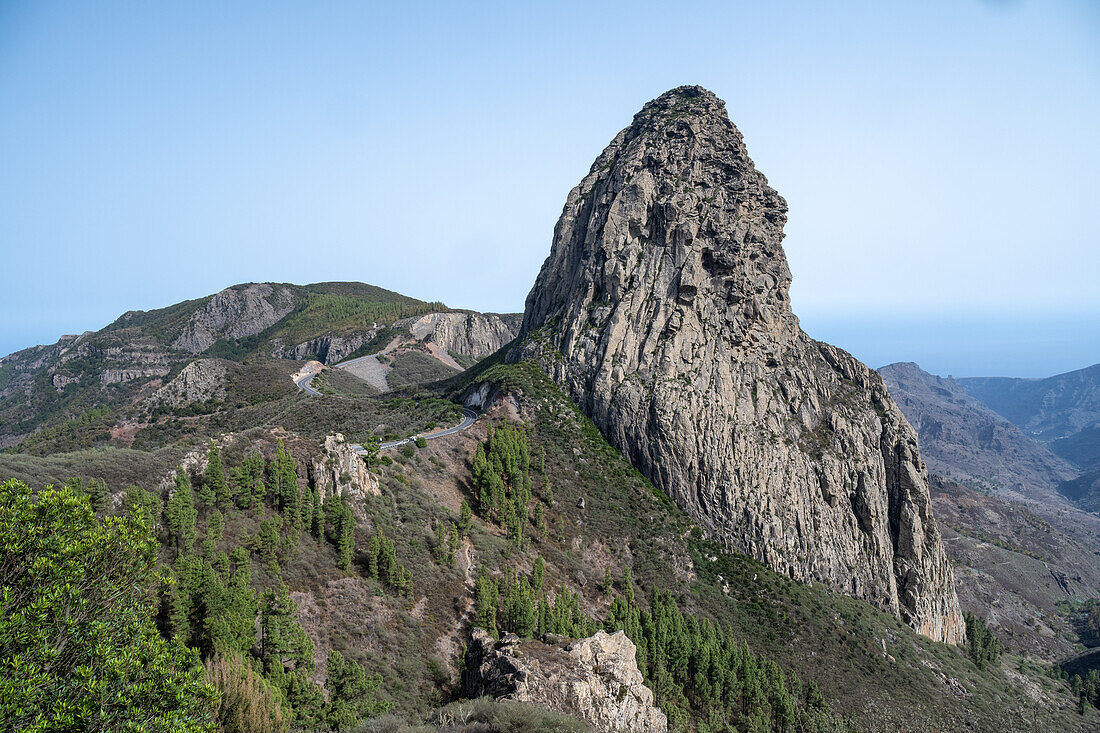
(199, 381)
(594, 679)
(340, 471)
(663, 309)
(469, 334)
(234, 313)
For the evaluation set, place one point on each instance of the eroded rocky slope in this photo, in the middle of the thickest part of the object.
(594, 679)
(964, 440)
(663, 309)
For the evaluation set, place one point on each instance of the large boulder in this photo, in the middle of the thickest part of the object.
(594, 679)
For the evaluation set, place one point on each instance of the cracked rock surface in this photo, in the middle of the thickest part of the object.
(594, 679)
(663, 310)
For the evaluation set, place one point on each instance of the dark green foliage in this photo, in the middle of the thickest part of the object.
(248, 480)
(351, 693)
(214, 479)
(382, 563)
(267, 543)
(78, 648)
(700, 672)
(465, 517)
(1086, 689)
(341, 523)
(982, 646)
(283, 644)
(282, 473)
(181, 515)
(137, 499)
(502, 481)
(212, 605)
(446, 543)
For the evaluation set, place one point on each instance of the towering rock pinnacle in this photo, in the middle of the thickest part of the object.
(663, 309)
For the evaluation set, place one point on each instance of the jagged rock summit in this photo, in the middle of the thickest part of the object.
(663, 309)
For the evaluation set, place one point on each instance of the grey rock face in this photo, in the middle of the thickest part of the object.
(663, 310)
(235, 313)
(326, 349)
(594, 679)
(471, 334)
(199, 381)
(340, 471)
(119, 376)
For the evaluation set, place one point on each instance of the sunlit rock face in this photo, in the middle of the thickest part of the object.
(663, 310)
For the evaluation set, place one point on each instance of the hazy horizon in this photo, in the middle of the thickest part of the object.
(940, 162)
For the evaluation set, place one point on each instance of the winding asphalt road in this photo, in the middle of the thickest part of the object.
(469, 417)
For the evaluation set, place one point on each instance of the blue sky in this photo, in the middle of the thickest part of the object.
(940, 159)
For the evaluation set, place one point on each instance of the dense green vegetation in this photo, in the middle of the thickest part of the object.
(78, 648)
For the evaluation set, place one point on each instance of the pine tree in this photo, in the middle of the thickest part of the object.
(537, 573)
(99, 496)
(215, 478)
(485, 602)
(374, 554)
(345, 542)
(181, 514)
(267, 543)
(283, 474)
(247, 480)
(465, 518)
(283, 643)
(351, 693)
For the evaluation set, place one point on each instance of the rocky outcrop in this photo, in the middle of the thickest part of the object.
(339, 471)
(235, 313)
(663, 310)
(200, 381)
(594, 679)
(119, 376)
(325, 349)
(468, 334)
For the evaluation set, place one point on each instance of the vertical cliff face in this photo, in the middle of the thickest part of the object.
(663, 309)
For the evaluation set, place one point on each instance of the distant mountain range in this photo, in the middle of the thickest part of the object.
(1062, 411)
(1016, 515)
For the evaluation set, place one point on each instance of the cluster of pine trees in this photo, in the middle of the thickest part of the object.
(502, 483)
(210, 603)
(382, 564)
(982, 646)
(699, 672)
(517, 603)
(1086, 689)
